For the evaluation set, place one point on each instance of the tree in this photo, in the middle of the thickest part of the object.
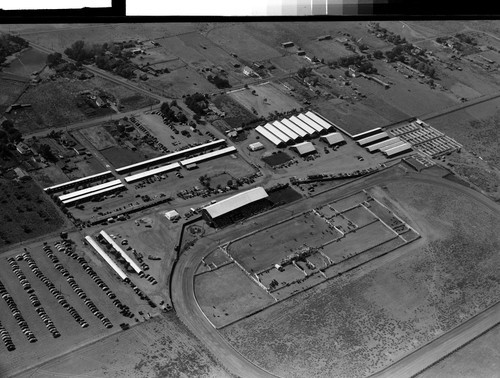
(54, 59)
(120, 128)
(230, 183)
(47, 153)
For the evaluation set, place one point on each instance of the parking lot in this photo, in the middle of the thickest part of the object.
(58, 297)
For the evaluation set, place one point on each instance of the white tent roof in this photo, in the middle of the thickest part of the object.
(304, 126)
(323, 123)
(272, 129)
(269, 136)
(285, 130)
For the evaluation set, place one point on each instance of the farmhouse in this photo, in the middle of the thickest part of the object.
(236, 207)
(248, 71)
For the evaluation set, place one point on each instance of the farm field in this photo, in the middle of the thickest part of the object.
(227, 294)
(358, 241)
(362, 321)
(269, 246)
(276, 101)
(98, 137)
(162, 346)
(27, 62)
(26, 212)
(10, 91)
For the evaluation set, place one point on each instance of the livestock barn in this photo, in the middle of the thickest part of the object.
(237, 207)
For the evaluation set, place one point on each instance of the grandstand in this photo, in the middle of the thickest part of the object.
(237, 207)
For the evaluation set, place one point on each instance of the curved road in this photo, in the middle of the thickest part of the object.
(190, 313)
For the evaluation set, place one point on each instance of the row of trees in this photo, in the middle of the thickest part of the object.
(8, 135)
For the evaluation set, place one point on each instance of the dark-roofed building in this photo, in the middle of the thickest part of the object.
(237, 207)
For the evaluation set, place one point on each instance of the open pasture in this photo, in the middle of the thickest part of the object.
(289, 274)
(327, 211)
(121, 157)
(182, 81)
(342, 224)
(227, 294)
(269, 246)
(10, 92)
(266, 100)
(358, 241)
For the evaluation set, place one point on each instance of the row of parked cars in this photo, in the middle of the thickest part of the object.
(76, 288)
(65, 247)
(7, 340)
(23, 324)
(33, 297)
(53, 290)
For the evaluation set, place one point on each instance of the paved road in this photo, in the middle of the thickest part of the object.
(189, 312)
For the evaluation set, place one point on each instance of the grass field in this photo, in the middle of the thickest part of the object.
(26, 212)
(359, 216)
(360, 322)
(223, 303)
(99, 137)
(271, 245)
(276, 101)
(27, 62)
(10, 91)
(358, 241)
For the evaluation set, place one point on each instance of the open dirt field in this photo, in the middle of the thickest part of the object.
(227, 294)
(349, 202)
(359, 216)
(276, 101)
(121, 157)
(477, 359)
(358, 323)
(160, 347)
(99, 137)
(26, 212)
(27, 62)
(268, 247)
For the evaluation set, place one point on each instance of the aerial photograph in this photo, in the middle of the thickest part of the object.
(285, 199)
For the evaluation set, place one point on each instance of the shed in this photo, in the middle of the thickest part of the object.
(172, 215)
(255, 146)
(304, 148)
(333, 139)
